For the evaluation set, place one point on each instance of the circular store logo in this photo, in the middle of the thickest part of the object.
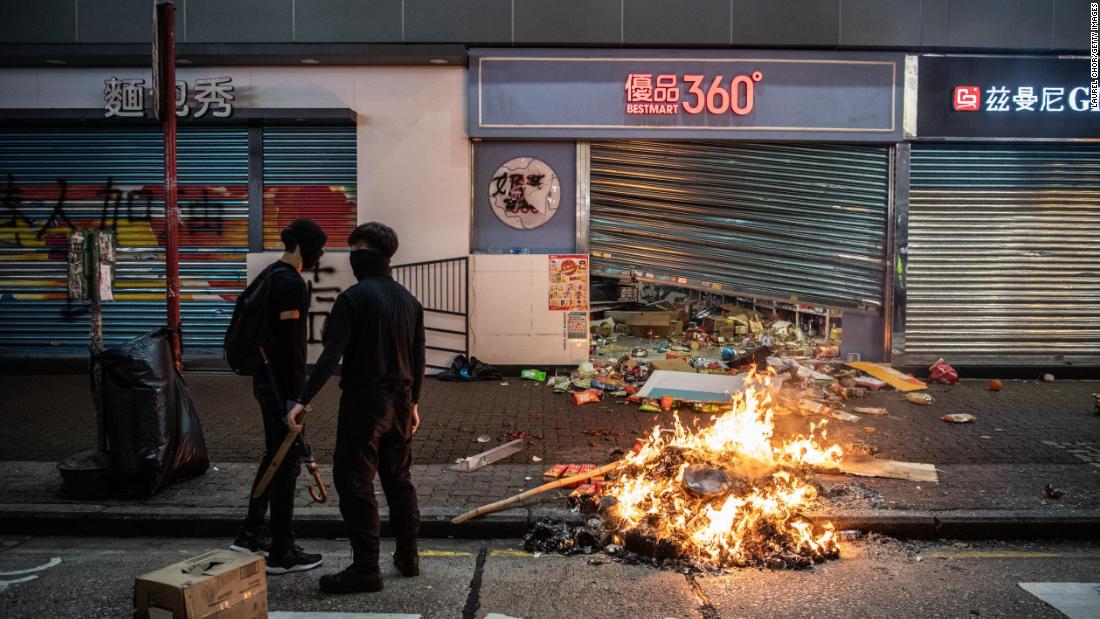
(524, 193)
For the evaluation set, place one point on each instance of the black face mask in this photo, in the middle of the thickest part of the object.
(367, 263)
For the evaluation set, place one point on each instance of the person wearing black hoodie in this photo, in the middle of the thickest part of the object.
(304, 241)
(377, 327)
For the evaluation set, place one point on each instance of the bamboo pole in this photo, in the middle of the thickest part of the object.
(512, 500)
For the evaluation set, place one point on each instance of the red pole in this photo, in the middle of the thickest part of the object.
(167, 94)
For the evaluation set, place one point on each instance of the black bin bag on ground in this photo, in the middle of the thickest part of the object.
(153, 431)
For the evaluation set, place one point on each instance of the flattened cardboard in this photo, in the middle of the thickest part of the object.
(220, 584)
(891, 469)
(881, 371)
(672, 365)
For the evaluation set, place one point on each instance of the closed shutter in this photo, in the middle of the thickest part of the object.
(112, 178)
(1004, 254)
(309, 172)
(760, 220)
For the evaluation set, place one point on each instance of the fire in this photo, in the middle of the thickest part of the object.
(742, 501)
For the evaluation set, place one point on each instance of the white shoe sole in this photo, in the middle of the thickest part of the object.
(236, 548)
(302, 567)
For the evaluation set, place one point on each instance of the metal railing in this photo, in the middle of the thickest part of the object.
(443, 288)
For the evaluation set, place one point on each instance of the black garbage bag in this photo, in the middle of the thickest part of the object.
(463, 369)
(153, 432)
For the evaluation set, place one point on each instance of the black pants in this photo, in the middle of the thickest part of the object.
(374, 434)
(280, 492)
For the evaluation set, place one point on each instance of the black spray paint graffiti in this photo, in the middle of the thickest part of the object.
(515, 200)
(201, 215)
(319, 294)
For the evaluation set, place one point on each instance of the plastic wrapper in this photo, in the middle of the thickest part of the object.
(153, 429)
(942, 372)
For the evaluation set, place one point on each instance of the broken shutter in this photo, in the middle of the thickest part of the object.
(761, 220)
(1004, 254)
(52, 180)
(309, 172)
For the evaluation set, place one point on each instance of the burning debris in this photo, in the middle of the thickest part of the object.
(728, 495)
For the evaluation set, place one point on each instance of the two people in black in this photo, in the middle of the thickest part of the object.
(377, 328)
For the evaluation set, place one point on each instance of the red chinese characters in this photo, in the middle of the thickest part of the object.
(646, 95)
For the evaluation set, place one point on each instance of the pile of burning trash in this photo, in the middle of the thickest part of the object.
(728, 495)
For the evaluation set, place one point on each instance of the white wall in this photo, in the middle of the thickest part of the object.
(414, 163)
(511, 323)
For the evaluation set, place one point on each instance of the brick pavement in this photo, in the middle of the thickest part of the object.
(1026, 436)
(49, 417)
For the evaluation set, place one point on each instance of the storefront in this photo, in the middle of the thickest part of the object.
(764, 177)
(258, 147)
(1002, 223)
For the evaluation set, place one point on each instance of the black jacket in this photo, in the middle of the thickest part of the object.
(377, 326)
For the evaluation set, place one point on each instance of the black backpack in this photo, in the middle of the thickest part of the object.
(250, 327)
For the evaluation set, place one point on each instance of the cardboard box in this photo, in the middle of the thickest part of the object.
(661, 323)
(220, 584)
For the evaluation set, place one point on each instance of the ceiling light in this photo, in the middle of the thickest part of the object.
(55, 61)
(438, 61)
(309, 61)
(182, 61)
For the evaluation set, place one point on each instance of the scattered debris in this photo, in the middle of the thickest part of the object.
(959, 418)
(499, 452)
(870, 429)
(924, 399)
(536, 459)
(995, 385)
(1052, 492)
(942, 372)
(872, 410)
(892, 469)
(896, 379)
(850, 535)
(484, 438)
(538, 375)
(1049, 378)
(843, 416)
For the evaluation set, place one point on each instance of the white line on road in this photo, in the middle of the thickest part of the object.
(54, 562)
(4, 584)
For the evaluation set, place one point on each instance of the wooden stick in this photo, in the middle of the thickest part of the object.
(512, 500)
(279, 456)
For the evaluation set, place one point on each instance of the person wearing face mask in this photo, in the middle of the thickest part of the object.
(377, 326)
(288, 308)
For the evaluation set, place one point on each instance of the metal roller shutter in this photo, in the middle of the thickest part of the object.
(761, 220)
(309, 173)
(113, 178)
(1004, 254)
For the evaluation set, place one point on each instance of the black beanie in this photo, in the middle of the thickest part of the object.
(309, 238)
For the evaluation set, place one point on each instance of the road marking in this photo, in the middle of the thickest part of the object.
(1076, 600)
(1010, 554)
(511, 553)
(54, 562)
(4, 584)
(445, 553)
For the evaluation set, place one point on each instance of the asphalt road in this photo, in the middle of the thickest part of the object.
(877, 577)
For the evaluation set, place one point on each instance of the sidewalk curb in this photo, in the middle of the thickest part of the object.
(141, 521)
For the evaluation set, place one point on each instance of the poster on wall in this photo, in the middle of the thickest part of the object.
(576, 325)
(568, 282)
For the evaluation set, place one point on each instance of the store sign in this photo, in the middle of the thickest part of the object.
(524, 193)
(963, 97)
(817, 96)
(127, 97)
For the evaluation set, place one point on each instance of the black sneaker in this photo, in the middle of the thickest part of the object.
(351, 580)
(256, 542)
(408, 563)
(293, 559)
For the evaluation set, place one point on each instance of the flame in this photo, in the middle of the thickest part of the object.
(759, 518)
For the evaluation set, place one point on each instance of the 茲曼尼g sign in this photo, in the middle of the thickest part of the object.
(821, 96)
(1027, 98)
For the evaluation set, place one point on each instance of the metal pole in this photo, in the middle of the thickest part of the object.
(167, 93)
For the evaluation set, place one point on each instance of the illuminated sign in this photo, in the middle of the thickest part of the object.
(686, 94)
(983, 97)
(646, 94)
